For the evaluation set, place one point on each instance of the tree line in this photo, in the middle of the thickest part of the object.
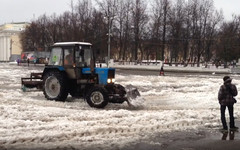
(169, 30)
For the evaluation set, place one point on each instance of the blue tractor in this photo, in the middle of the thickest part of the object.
(71, 70)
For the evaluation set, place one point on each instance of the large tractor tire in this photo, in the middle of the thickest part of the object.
(97, 97)
(55, 86)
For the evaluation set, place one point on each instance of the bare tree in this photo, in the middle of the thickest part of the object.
(160, 19)
(185, 29)
(122, 26)
(139, 18)
(29, 38)
(176, 23)
(83, 16)
(109, 9)
(126, 30)
(98, 33)
(201, 12)
(166, 5)
(228, 44)
(211, 34)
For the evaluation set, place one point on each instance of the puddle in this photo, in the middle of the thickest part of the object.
(202, 139)
(227, 135)
(230, 135)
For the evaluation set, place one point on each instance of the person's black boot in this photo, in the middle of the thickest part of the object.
(225, 129)
(234, 128)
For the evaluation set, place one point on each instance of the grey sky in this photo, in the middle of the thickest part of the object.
(229, 7)
(26, 10)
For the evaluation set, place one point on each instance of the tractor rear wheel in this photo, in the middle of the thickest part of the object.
(97, 97)
(55, 87)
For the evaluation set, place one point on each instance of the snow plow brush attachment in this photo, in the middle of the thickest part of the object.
(134, 98)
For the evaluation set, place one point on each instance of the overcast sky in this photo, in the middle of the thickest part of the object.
(27, 10)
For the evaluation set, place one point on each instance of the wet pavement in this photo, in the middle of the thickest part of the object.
(203, 139)
(210, 141)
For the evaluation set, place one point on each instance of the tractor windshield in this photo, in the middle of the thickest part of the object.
(83, 56)
(56, 56)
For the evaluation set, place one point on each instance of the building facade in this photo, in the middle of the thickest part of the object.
(10, 46)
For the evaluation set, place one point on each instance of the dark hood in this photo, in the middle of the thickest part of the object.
(228, 81)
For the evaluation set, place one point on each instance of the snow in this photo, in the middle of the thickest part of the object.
(202, 69)
(29, 121)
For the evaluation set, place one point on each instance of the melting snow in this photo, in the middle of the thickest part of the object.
(171, 103)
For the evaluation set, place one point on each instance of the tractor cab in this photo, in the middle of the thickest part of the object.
(72, 57)
(71, 54)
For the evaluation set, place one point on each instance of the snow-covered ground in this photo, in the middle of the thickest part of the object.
(202, 69)
(29, 121)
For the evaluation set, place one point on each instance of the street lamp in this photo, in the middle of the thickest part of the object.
(109, 20)
(109, 41)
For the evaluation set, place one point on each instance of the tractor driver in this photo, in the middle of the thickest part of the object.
(68, 59)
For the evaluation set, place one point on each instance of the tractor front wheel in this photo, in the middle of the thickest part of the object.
(55, 87)
(97, 97)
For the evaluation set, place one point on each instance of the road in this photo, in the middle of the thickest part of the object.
(156, 73)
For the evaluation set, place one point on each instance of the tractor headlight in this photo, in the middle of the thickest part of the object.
(110, 80)
(113, 80)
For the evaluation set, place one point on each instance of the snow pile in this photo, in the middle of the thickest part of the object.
(29, 121)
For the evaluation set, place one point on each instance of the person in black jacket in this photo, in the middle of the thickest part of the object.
(226, 98)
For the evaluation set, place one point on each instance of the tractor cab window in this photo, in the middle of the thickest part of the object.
(88, 56)
(79, 57)
(68, 57)
(83, 57)
(56, 56)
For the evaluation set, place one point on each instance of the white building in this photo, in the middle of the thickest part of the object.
(10, 46)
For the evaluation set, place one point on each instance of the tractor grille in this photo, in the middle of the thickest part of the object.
(111, 74)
